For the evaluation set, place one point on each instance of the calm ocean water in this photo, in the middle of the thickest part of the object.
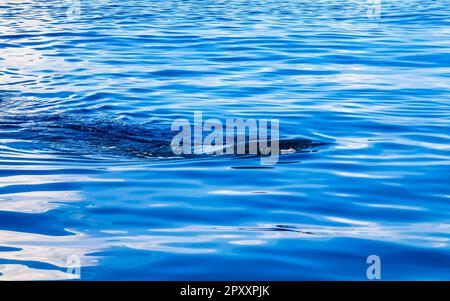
(87, 87)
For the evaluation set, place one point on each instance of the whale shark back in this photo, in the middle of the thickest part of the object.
(105, 135)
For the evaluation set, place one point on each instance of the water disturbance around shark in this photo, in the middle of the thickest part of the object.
(108, 136)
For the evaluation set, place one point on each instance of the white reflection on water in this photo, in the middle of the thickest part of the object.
(54, 250)
(36, 201)
(46, 179)
(41, 201)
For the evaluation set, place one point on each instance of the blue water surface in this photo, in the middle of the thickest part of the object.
(87, 87)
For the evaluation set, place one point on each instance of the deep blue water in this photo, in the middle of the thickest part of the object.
(83, 95)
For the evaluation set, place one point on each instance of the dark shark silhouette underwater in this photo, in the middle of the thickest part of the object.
(103, 135)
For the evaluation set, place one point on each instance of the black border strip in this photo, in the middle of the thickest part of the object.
(306, 290)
